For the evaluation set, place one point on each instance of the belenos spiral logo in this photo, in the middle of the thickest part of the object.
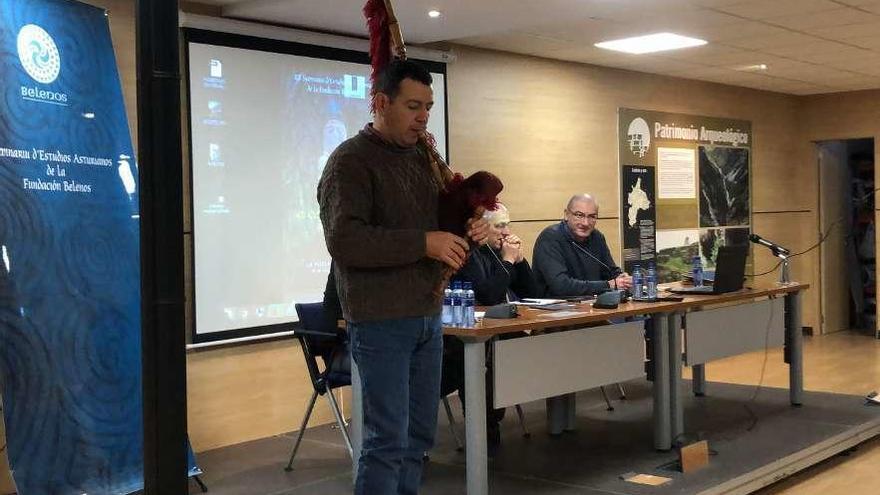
(38, 54)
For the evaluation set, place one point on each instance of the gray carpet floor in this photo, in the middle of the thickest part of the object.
(743, 435)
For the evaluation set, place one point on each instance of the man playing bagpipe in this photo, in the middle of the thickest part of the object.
(379, 209)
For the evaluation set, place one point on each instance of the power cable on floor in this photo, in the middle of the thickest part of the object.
(751, 400)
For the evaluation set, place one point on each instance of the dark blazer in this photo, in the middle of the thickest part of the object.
(494, 279)
(563, 269)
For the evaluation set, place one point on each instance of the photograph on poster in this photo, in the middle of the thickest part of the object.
(712, 239)
(724, 186)
(675, 253)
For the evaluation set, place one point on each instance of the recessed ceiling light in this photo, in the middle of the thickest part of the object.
(433, 14)
(651, 43)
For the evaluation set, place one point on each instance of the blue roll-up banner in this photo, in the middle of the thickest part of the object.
(70, 323)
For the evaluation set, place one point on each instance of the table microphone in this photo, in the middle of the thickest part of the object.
(623, 295)
(591, 255)
(775, 248)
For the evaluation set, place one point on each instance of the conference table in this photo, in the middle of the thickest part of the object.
(606, 346)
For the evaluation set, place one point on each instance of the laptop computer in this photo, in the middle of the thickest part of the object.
(730, 267)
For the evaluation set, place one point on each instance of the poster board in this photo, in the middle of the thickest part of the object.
(701, 172)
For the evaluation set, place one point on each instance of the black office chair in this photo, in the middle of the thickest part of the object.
(320, 337)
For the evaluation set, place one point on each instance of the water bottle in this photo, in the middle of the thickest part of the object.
(468, 318)
(637, 282)
(446, 316)
(697, 271)
(457, 307)
(651, 282)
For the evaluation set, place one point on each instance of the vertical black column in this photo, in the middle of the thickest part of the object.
(162, 271)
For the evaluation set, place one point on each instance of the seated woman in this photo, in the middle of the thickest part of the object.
(499, 273)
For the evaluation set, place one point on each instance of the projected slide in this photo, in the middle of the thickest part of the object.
(263, 125)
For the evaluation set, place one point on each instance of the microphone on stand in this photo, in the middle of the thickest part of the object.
(776, 249)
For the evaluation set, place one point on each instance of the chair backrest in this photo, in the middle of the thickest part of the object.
(314, 321)
(316, 329)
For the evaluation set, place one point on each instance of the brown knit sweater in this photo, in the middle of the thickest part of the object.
(377, 202)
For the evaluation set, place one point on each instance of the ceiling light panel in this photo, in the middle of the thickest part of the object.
(651, 43)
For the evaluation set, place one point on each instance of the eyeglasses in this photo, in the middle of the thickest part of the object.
(583, 216)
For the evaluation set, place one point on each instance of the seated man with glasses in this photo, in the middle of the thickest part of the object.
(499, 273)
(572, 258)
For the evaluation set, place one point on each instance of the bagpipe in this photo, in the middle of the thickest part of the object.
(461, 199)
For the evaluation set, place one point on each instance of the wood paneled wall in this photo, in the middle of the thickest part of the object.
(843, 116)
(242, 393)
(548, 128)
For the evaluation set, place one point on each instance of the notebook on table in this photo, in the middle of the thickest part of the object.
(730, 268)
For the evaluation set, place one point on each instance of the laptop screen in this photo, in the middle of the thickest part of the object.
(730, 268)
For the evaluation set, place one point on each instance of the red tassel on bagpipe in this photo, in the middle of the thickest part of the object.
(380, 37)
(378, 27)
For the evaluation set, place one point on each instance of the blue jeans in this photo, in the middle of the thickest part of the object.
(399, 362)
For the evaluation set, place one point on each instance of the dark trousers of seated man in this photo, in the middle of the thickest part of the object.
(453, 380)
